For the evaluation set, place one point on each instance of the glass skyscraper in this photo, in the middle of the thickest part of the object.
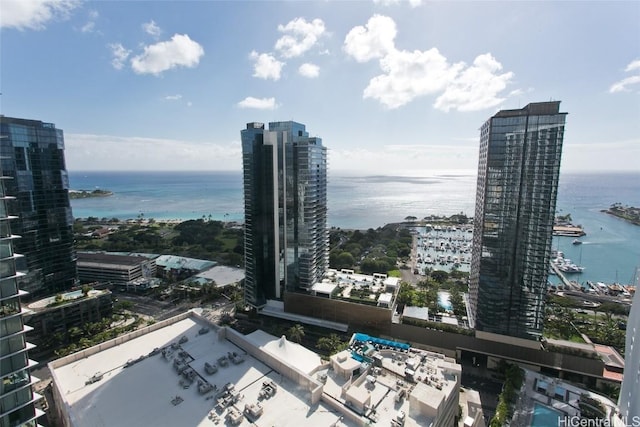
(17, 399)
(285, 203)
(32, 154)
(518, 171)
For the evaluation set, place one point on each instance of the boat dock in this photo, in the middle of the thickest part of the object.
(566, 282)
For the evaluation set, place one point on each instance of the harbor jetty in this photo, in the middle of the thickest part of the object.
(568, 284)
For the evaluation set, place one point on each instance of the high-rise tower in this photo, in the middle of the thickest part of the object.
(33, 156)
(518, 171)
(16, 393)
(628, 401)
(285, 203)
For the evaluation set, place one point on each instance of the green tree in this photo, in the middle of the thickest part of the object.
(85, 290)
(439, 276)
(332, 344)
(296, 333)
(457, 302)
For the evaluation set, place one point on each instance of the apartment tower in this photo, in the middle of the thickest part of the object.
(33, 156)
(285, 203)
(16, 393)
(518, 171)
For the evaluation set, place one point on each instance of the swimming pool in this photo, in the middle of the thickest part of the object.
(544, 416)
(366, 338)
(444, 300)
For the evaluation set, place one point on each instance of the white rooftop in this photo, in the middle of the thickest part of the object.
(414, 312)
(324, 287)
(223, 275)
(392, 281)
(293, 354)
(149, 392)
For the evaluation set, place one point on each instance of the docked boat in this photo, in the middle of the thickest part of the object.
(571, 268)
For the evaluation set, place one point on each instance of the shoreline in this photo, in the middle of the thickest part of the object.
(629, 214)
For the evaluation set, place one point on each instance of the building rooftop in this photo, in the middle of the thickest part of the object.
(129, 381)
(393, 380)
(178, 262)
(98, 258)
(325, 288)
(293, 354)
(69, 297)
(222, 275)
(421, 313)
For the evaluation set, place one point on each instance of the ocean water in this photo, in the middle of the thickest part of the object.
(611, 249)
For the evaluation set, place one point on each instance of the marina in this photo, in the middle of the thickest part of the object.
(445, 248)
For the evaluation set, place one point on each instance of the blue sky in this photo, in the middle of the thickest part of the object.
(390, 86)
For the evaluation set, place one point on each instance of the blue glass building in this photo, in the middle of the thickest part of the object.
(33, 156)
(285, 203)
(518, 171)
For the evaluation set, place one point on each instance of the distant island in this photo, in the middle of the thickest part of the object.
(628, 213)
(85, 194)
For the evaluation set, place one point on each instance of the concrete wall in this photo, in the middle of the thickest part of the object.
(353, 314)
(119, 340)
(448, 343)
(341, 409)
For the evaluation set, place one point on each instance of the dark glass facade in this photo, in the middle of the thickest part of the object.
(33, 156)
(519, 166)
(285, 201)
(17, 400)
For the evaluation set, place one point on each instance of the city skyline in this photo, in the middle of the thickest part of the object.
(393, 85)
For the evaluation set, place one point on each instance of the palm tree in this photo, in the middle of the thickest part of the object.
(296, 333)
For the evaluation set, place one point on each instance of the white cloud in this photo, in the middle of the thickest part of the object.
(374, 41)
(623, 85)
(120, 55)
(633, 65)
(34, 14)
(300, 36)
(90, 26)
(173, 97)
(475, 88)
(107, 152)
(151, 28)
(411, 74)
(412, 3)
(258, 103)
(180, 51)
(266, 66)
(408, 75)
(309, 70)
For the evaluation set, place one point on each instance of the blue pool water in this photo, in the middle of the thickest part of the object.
(544, 416)
(444, 300)
(366, 338)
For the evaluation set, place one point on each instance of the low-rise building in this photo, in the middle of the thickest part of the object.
(58, 314)
(114, 268)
